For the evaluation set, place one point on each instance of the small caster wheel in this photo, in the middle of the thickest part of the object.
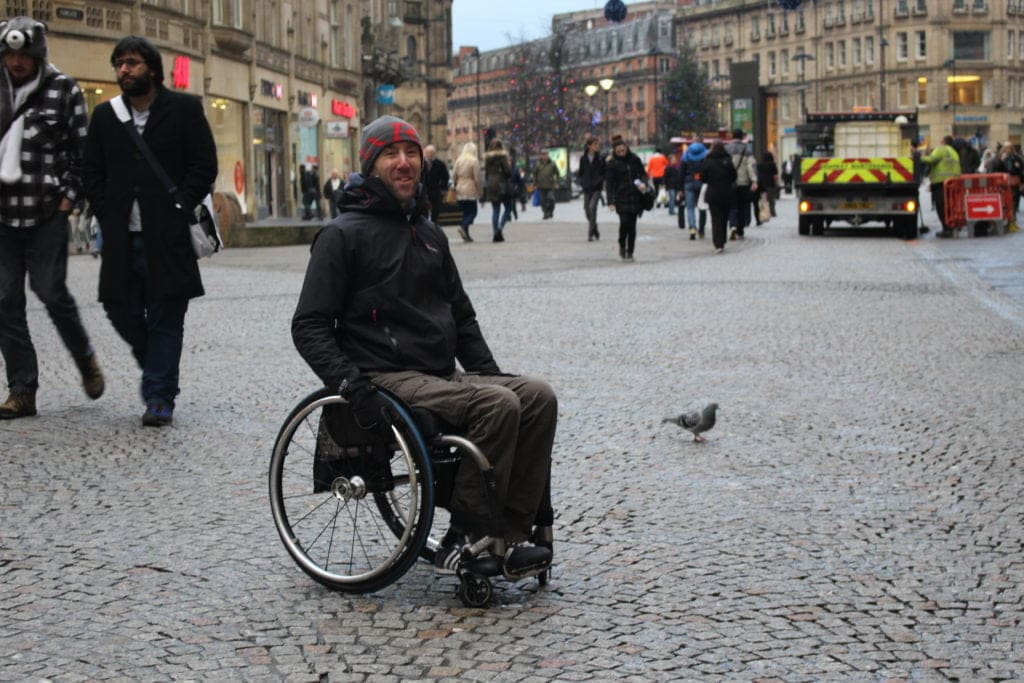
(474, 590)
(542, 578)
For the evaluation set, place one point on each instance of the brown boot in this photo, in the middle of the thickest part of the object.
(92, 378)
(18, 404)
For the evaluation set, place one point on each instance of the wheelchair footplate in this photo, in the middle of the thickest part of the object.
(482, 561)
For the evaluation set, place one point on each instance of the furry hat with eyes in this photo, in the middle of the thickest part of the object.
(23, 34)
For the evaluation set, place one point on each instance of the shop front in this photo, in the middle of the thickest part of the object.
(268, 144)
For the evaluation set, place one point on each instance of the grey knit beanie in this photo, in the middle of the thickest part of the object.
(380, 133)
(23, 34)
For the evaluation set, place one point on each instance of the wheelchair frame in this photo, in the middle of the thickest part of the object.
(355, 510)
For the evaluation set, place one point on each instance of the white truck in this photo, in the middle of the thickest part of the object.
(855, 168)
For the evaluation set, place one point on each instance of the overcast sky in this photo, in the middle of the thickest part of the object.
(488, 25)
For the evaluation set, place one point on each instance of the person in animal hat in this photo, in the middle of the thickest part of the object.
(42, 131)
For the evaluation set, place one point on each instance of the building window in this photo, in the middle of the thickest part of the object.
(228, 13)
(784, 62)
(771, 64)
(830, 56)
(901, 46)
(921, 44)
(1009, 44)
(869, 50)
(841, 48)
(856, 52)
(972, 45)
(922, 92)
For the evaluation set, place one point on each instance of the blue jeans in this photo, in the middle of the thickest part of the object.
(692, 189)
(496, 213)
(671, 201)
(42, 253)
(153, 329)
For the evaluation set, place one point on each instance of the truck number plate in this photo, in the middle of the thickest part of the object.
(857, 205)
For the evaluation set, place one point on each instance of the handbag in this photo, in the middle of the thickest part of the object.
(451, 196)
(702, 198)
(202, 224)
(764, 209)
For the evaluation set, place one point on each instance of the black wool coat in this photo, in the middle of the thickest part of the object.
(116, 174)
(620, 187)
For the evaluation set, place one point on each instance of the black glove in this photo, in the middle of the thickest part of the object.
(371, 410)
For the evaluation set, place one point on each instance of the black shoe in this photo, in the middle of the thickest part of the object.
(158, 414)
(447, 555)
(597, 235)
(523, 559)
(498, 237)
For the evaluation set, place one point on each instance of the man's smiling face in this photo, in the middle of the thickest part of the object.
(399, 165)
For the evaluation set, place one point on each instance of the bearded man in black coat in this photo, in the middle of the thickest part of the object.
(149, 270)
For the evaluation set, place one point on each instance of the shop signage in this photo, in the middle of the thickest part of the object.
(307, 99)
(308, 117)
(342, 108)
(385, 94)
(271, 89)
(71, 14)
(336, 129)
(180, 74)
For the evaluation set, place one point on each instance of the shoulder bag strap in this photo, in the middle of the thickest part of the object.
(121, 110)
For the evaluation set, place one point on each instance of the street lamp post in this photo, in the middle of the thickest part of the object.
(476, 65)
(606, 85)
(951, 64)
(654, 100)
(802, 58)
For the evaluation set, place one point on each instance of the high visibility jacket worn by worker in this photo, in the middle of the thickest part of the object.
(944, 163)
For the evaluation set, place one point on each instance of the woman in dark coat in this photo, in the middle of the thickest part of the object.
(767, 184)
(625, 183)
(718, 173)
(497, 172)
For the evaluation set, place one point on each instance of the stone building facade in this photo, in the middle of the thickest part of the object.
(282, 80)
(959, 63)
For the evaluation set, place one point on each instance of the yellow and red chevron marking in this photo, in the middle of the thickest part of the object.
(852, 170)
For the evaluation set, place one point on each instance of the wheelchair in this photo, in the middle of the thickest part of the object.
(355, 508)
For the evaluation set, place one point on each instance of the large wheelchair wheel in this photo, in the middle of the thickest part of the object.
(353, 509)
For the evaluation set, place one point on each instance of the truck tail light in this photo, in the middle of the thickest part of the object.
(910, 206)
(805, 206)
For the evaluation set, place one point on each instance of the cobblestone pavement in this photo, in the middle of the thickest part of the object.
(856, 514)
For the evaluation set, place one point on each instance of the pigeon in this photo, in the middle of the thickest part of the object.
(695, 421)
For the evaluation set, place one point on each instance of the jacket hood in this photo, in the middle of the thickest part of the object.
(371, 195)
(496, 153)
(695, 152)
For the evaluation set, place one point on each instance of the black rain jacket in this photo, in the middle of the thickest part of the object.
(382, 294)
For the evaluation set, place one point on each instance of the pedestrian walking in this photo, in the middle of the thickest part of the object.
(369, 269)
(943, 164)
(518, 190)
(742, 156)
(693, 157)
(656, 165)
(719, 174)
(469, 185)
(767, 187)
(149, 271)
(42, 130)
(673, 181)
(498, 187)
(331, 189)
(547, 177)
(625, 185)
(787, 173)
(591, 178)
(436, 179)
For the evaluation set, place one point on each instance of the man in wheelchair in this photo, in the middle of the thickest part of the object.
(382, 305)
